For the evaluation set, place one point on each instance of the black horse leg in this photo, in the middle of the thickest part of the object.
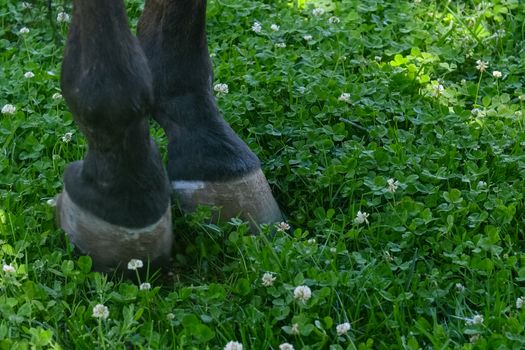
(115, 205)
(208, 163)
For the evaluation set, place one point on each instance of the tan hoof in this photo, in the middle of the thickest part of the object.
(249, 198)
(111, 246)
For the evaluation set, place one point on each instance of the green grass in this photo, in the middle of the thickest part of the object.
(440, 262)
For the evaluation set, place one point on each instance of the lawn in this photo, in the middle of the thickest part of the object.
(392, 134)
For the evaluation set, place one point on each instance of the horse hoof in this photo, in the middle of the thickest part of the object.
(248, 197)
(110, 246)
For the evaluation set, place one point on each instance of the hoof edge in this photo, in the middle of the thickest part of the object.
(249, 198)
(110, 246)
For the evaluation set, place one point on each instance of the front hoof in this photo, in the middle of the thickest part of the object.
(110, 246)
(248, 197)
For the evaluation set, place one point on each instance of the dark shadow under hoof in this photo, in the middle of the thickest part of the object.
(248, 197)
(111, 247)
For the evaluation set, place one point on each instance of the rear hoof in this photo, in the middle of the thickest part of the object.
(110, 246)
(249, 198)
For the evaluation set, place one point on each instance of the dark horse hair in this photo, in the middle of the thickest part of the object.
(113, 82)
(202, 146)
(107, 84)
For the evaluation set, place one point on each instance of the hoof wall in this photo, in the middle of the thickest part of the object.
(110, 246)
(249, 198)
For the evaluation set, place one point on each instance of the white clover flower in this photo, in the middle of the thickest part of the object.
(481, 65)
(475, 111)
(334, 20)
(496, 74)
(283, 226)
(378, 58)
(482, 184)
(29, 75)
(275, 27)
(280, 45)
(518, 114)
(23, 30)
(26, 5)
(318, 11)
(100, 311)
(343, 328)
(393, 184)
(474, 338)
(56, 96)
(170, 316)
(221, 89)
(437, 90)
(256, 27)
(8, 109)
(63, 17)
(295, 328)
(460, 288)
(302, 293)
(301, 89)
(361, 217)
(51, 202)
(267, 279)
(521, 97)
(333, 250)
(345, 97)
(311, 241)
(233, 345)
(307, 37)
(134, 264)
(8, 268)
(286, 346)
(145, 286)
(519, 302)
(476, 319)
(67, 137)
(417, 1)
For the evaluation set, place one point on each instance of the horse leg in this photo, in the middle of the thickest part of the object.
(207, 162)
(115, 204)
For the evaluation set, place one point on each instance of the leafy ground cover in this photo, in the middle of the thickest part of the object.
(392, 133)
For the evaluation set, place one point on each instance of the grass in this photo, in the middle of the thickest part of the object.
(382, 90)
